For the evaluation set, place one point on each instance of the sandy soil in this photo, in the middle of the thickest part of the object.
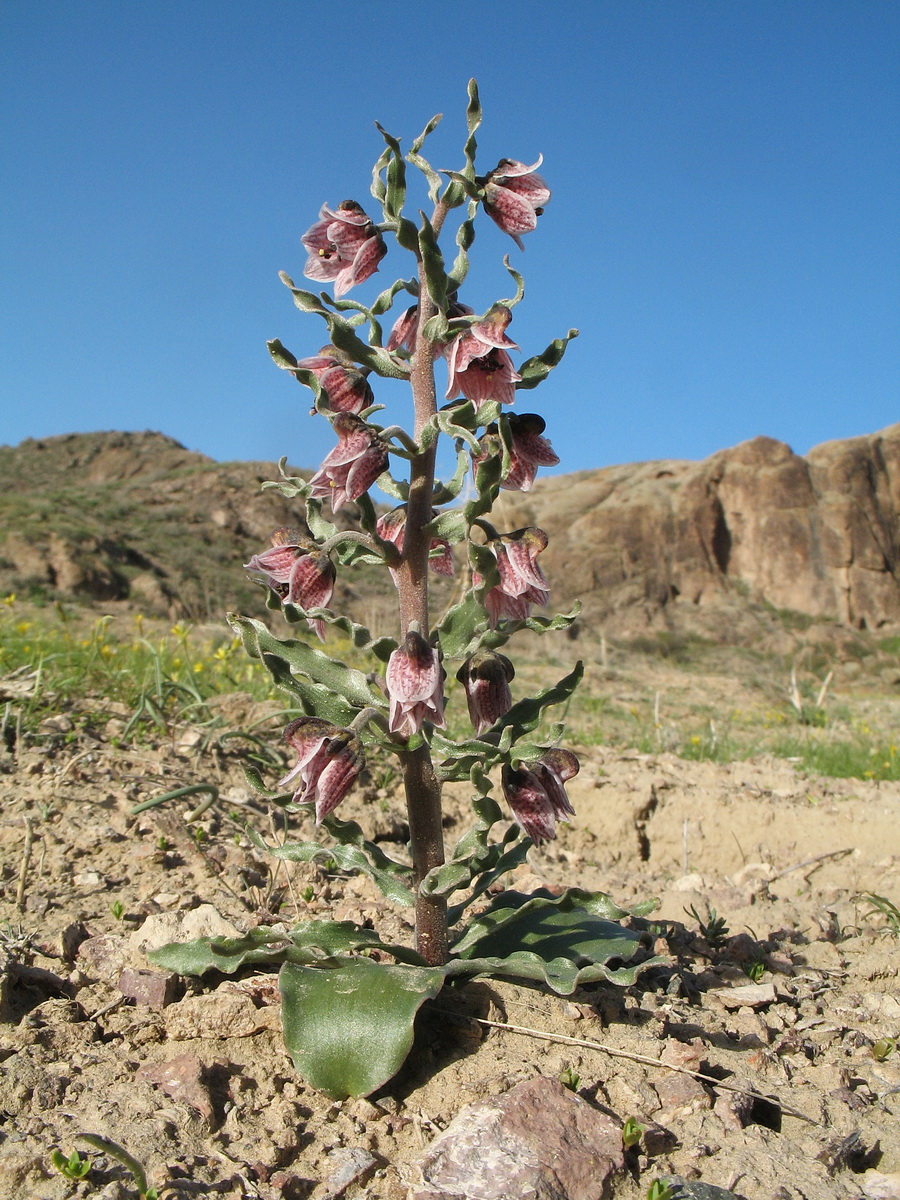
(780, 856)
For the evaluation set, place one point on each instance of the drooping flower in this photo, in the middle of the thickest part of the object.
(392, 528)
(527, 450)
(478, 364)
(414, 679)
(344, 247)
(329, 760)
(297, 573)
(346, 388)
(352, 466)
(404, 330)
(514, 197)
(486, 677)
(406, 327)
(535, 792)
(522, 582)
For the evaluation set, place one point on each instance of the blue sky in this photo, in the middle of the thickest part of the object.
(723, 230)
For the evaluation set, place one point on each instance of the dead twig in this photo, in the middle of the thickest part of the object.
(26, 860)
(590, 1044)
(811, 862)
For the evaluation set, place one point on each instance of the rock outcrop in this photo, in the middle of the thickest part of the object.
(137, 517)
(818, 534)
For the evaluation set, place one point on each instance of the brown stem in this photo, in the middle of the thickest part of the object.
(423, 789)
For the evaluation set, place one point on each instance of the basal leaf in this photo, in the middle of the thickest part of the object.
(349, 1028)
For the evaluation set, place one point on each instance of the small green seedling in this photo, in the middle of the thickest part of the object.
(755, 969)
(884, 1048)
(117, 908)
(632, 1131)
(73, 1167)
(114, 1150)
(714, 929)
(887, 908)
(660, 1190)
(162, 843)
(570, 1079)
(308, 893)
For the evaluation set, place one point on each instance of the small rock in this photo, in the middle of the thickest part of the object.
(104, 957)
(352, 1165)
(876, 1186)
(510, 1146)
(182, 1079)
(57, 724)
(161, 928)
(364, 1110)
(748, 995)
(734, 1109)
(219, 1014)
(682, 1091)
(683, 1054)
(155, 989)
(87, 879)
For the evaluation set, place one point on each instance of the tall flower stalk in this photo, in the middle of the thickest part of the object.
(399, 704)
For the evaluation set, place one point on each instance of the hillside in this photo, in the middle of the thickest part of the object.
(134, 517)
(688, 546)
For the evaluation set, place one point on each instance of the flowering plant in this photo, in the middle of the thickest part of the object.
(348, 1016)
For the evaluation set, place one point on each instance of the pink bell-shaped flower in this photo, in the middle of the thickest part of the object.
(345, 388)
(414, 679)
(536, 794)
(485, 677)
(344, 247)
(514, 197)
(297, 573)
(522, 582)
(328, 763)
(478, 364)
(352, 466)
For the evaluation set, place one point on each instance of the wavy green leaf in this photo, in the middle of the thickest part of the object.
(305, 660)
(351, 853)
(564, 941)
(433, 264)
(535, 370)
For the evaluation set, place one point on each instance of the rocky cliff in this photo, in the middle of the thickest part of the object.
(818, 534)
